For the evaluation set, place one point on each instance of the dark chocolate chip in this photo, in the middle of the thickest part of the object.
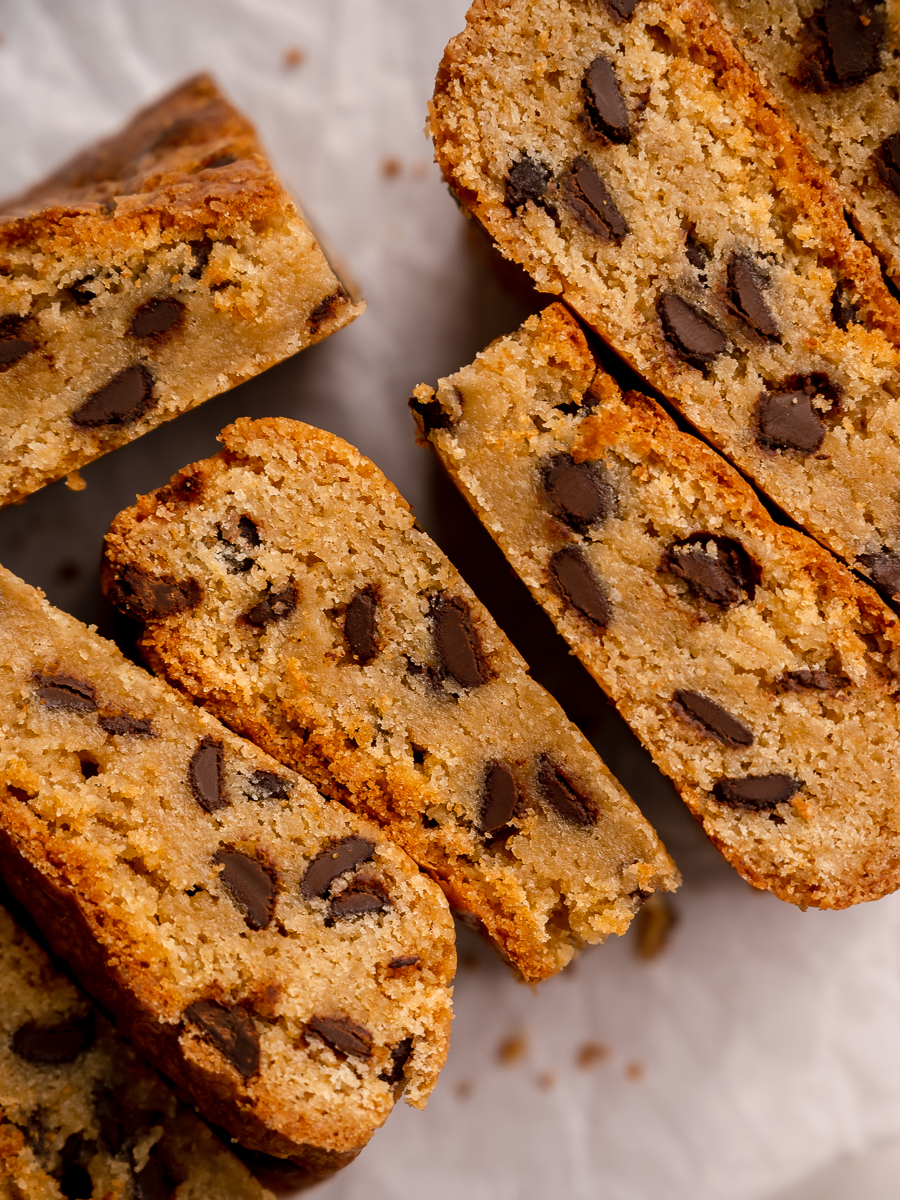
(155, 317)
(266, 785)
(844, 312)
(65, 692)
(457, 642)
(695, 252)
(788, 421)
(430, 414)
(249, 531)
(558, 791)
(575, 580)
(361, 896)
(124, 399)
(690, 332)
(855, 33)
(146, 598)
(757, 792)
(399, 1058)
(590, 201)
(343, 1035)
(360, 628)
(205, 775)
(714, 719)
(603, 100)
(13, 348)
(123, 725)
(275, 607)
(405, 960)
(887, 159)
(526, 180)
(325, 309)
(343, 856)
(806, 680)
(580, 494)
(745, 290)
(201, 250)
(718, 568)
(52, 1045)
(251, 886)
(884, 571)
(499, 797)
(231, 1031)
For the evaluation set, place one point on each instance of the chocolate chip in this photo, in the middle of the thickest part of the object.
(399, 1058)
(756, 792)
(574, 579)
(12, 348)
(122, 725)
(844, 312)
(205, 775)
(325, 309)
(788, 421)
(52, 1045)
(499, 797)
(249, 531)
(603, 101)
(343, 856)
(558, 791)
(884, 572)
(361, 896)
(745, 290)
(712, 718)
(155, 317)
(266, 785)
(526, 180)
(718, 568)
(360, 626)
(231, 1031)
(591, 203)
(251, 886)
(690, 332)
(806, 680)
(146, 597)
(275, 607)
(124, 399)
(855, 33)
(696, 253)
(457, 642)
(580, 494)
(201, 250)
(343, 1035)
(65, 692)
(405, 960)
(887, 160)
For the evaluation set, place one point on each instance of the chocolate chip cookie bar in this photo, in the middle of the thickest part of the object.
(154, 270)
(277, 958)
(285, 585)
(835, 68)
(628, 157)
(79, 1114)
(759, 673)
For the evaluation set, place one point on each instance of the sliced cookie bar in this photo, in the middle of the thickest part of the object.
(760, 674)
(80, 1115)
(835, 67)
(154, 270)
(628, 157)
(316, 618)
(277, 958)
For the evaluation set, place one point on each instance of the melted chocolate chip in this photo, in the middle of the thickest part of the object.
(457, 642)
(526, 180)
(580, 494)
(887, 160)
(603, 101)
(266, 785)
(745, 290)
(884, 572)
(690, 332)
(343, 1035)
(123, 725)
(362, 896)
(146, 598)
(156, 317)
(696, 253)
(346, 855)
(788, 421)
(806, 680)
(65, 692)
(405, 960)
(205, 775)
(756, 792)
(251, 886)
(13, 347)
(718, 568)
(360, 628)
(574, 579)
(275, 607)
(52, 1045)
(844, 312)
(854, 30)
(499, 797)
(712, 718)
(591, 202)
(399, 1058)
(124, 399)
(558, 791)
(325, 309)
(231, 1031)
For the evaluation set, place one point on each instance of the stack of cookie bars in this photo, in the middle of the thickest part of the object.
(251, 861)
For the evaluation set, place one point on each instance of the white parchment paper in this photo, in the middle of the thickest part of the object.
(763, 1043)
